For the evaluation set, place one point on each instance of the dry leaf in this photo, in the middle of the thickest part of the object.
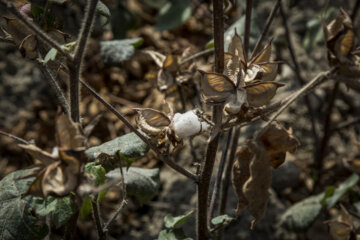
(152, 121)
(277, 142)
(44, 157)
(341, 228)
(216, 88)
(60, 176)
(261, 93)
(256, 188)
(240, 174)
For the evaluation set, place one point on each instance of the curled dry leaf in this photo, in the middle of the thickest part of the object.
(340, 38)
(240, 174)
(59, 176)
(152, 121)
(341, 228)
(277, 142)
(256, 188)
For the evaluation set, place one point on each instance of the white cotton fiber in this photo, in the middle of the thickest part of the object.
(188, 124)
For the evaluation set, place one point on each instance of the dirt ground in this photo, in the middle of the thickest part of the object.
(28, 109)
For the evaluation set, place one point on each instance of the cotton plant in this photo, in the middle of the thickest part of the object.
(245, 83)
(172, 128)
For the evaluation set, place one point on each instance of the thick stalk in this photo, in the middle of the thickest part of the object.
(208, 165)
(247, 27)
(76, 65)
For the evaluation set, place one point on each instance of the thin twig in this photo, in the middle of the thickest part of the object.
(5, 40)
(218, 180)
(124, 193)
(97, 218)
(202, 230)
(266, 28)
(18, 139)
(165, 159)
(321, 151)
(345, 124)
(33, 27)
(75, 66)
(355, 10)
(247, 28)
(301, 92)
(299, 78)
(55, 87)
(114, 216)
(197, 55)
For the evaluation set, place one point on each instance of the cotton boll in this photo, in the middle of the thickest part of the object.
(188, 124)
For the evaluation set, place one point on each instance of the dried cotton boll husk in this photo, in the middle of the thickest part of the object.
(188, 124)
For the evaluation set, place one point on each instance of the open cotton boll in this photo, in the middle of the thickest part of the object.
(188, 124)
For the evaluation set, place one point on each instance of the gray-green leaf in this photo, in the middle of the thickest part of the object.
(141, 183)
(173, 234)
(222, 219)
(173, 222)
(341, 190)
(173, 14)
(61, 209)
(129, 146)
(17, 221)
(301, 215)
(114, 52)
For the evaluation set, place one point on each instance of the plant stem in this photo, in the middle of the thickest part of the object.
(97, 218)
(321, 151)
(266, 28)
(217, 184)
(114, 216)
(346, 124)
(355, 10)
(165, 159)
(75, 66)
(299, 78)
(33, 27)
(55, 87)
(9, 135)
(247, 28)
(196, 55)
(208, 165)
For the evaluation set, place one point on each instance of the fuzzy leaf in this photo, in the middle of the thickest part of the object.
(61, 209)
(173, 234)
(256, 188)
(222, 219)
(16, 218)
(103, 10)
(173, 14)
(301, 215)
(240, 174)
(98, 171)
(129, 146)
(341, 190)
(173, 222)
(141, 183)
(114, 52)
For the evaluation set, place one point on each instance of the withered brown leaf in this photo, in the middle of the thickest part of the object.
(277, 142)
(152, 121)
(60, 176)
(341, 228)
(240, 174)
(256, 188)
(260, 93)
